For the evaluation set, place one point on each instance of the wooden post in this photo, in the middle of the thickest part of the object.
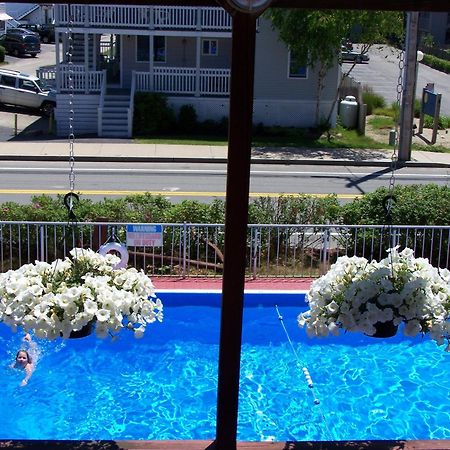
(236, 216)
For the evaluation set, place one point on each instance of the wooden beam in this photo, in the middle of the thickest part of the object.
(377, 5)
(236, 217)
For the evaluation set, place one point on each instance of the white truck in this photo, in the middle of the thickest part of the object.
(20, 89)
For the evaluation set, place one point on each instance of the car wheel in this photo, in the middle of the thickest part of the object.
(358, 59)
(33, 55)
(45, 40)
(47, 109)
(16, 52)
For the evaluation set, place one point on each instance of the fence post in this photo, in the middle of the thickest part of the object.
(254, 253)
(325, 251)
(183, 274)
(42, 246)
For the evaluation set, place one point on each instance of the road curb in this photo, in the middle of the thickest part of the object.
(207, 160)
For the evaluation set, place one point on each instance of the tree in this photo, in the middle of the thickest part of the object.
(315, 37)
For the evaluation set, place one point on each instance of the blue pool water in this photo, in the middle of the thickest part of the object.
(164, 386)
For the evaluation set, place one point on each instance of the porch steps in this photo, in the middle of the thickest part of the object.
(115, 115)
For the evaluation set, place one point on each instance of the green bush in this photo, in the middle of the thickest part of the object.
(443, 122)
(2, 54)
(304, 209)
(152, 114)
(372, 100)
(187, 120)
(437, 63)
(427, 204)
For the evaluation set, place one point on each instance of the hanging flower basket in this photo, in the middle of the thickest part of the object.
(68, 297)
(374, 298)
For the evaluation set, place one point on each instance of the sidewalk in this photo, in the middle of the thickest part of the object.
(97, 149)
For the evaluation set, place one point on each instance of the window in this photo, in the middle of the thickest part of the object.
(8, 81)
(27, 85)
(143, 49)
(159, 49)
(209, 47)
(296, 70)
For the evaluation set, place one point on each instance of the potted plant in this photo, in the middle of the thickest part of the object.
(376, 297)
(68, 297)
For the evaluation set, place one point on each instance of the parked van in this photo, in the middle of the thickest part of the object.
(20, 89)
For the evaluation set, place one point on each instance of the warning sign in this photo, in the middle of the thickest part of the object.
(144, 236)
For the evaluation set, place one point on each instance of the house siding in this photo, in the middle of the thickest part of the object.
(278, 99)
(283, 100)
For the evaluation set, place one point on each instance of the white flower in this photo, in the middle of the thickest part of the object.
(356, 294)
(64, 296)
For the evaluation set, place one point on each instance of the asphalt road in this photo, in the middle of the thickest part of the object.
(199, 180)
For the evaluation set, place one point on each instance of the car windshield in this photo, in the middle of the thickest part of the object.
(43, 85)
(31, 38)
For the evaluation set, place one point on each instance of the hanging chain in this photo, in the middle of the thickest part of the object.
(71, 196)
(69, 55)
(390, 198)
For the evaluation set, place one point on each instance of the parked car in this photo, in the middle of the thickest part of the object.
(19, 41)
(20, 89)
(351, 55)
(46, 32)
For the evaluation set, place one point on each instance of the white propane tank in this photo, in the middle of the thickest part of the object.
(348, 111)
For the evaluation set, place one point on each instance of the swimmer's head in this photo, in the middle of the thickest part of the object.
(23, 358)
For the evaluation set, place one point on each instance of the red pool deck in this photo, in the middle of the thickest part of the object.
(265, 284)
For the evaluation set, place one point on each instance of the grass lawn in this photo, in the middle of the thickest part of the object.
(281, 137)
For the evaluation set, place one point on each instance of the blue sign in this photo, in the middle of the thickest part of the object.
(429, 102)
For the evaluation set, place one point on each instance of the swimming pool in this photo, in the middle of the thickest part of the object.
(164, 386)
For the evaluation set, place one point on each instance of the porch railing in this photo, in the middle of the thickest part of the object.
(47, 74)
(166, 80)
(184, 80)
(83, 81)
(149, 17)
(192, 250)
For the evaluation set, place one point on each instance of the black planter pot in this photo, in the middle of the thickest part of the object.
(84, 332)
(385, 330)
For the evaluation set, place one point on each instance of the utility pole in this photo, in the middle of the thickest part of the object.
(409, 87)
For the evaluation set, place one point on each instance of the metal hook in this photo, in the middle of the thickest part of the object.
(69, 199)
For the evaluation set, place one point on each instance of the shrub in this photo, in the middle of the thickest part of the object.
(304, 209)
(187, 119)
(152, 114)
(443, 122)
(427, 204)
(2, 54)
(372, 100)
(437, 63)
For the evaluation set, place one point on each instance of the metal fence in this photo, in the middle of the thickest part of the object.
(197, 250)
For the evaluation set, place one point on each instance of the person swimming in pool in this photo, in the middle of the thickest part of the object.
(24, 359)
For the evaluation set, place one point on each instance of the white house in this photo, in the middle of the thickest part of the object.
(183, 52)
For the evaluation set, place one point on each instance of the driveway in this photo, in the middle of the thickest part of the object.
(381, 74)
